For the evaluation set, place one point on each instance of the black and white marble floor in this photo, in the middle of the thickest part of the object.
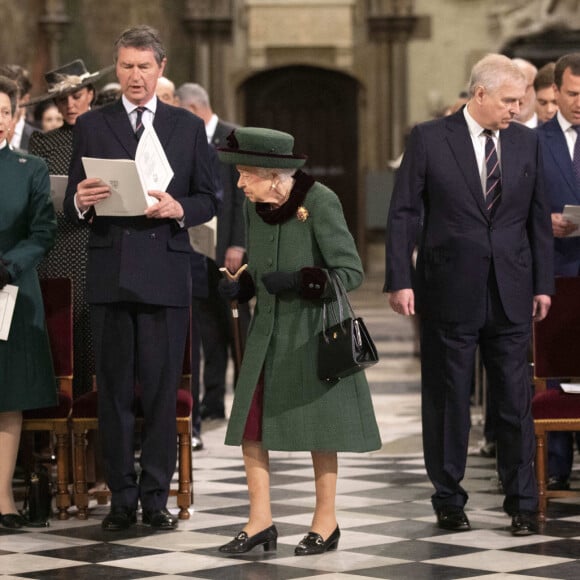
(387, 523)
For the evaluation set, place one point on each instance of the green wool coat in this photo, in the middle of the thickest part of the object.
(300, 413)
(27, 231)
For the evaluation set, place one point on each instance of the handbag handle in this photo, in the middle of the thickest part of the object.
(340, 295)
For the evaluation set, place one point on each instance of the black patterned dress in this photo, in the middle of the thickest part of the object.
(68, 258)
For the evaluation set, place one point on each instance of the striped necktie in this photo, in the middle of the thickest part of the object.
(493, 173)
(139, 128)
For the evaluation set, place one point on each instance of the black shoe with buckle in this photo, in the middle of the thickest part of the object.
(312, 543)
(243, 543)
(452, 518)
(159, 519)
(524, 524)
(119, 518)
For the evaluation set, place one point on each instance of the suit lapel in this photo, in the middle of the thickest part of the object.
(118, 121)
(462, 147)
(556, 143)
(164, 123)
(509, 166)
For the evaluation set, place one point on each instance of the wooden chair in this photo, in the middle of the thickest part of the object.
(84, 419)
(57, 298)
(556, 355)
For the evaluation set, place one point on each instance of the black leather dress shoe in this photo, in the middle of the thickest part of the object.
(452, 518)
(313, 543)
(119, 518)
(159, 519)
(558, 484)
(243, 543)
(524, 524)
(13, 521)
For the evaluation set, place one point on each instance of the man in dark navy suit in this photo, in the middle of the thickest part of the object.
(559, 138)
(484, 271)
(139, 277)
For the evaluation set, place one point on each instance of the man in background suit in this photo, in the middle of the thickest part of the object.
(214, 315)
(484, 270)
(139, 277)
(558, 138)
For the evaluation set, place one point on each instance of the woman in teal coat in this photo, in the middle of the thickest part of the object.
(296, 233)
(27, 230)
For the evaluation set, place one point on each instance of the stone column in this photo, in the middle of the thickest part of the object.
(390, 25)
(210, 24)
(53, 22)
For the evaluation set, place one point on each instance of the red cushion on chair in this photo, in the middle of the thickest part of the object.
(57, 298)
(184, 403)
(60, 411)
(85, 407)
(556, 404)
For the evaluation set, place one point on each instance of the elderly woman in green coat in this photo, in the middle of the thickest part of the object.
(296, 234)
(27, 231)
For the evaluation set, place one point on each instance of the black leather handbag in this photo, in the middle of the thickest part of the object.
(345, 347)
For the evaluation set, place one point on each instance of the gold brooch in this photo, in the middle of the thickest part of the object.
(302, 214)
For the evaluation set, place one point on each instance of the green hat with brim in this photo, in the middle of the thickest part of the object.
(258, 147)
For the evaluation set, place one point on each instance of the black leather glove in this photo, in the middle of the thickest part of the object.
(228, 289)
(5, 276)
(277, 282)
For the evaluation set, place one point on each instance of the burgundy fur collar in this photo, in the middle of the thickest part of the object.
(279, 215)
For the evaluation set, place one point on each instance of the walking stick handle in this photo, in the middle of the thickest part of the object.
(234, 277)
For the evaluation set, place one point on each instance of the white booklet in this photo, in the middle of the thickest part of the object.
(203, 238)
(58, 185)
(570, 387)
(131, 180)
(7, 303)
(572, 214)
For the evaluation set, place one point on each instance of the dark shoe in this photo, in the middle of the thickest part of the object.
(159, 519)
(13, 521)
(313, 543)
(242, 543)
(206, 412)
(558, 484)
(119, 518)
(196, 443)
(524, 524)
(488, 449)
(452, 518)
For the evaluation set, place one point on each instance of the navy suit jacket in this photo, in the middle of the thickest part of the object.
(561, 189)
(438, 203)
(138, 259)
(230, 228)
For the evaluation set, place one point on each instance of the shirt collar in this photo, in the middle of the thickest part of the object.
(564, 123)
(210, 127)
(475, 129)
(3, 144)
(150, 105)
